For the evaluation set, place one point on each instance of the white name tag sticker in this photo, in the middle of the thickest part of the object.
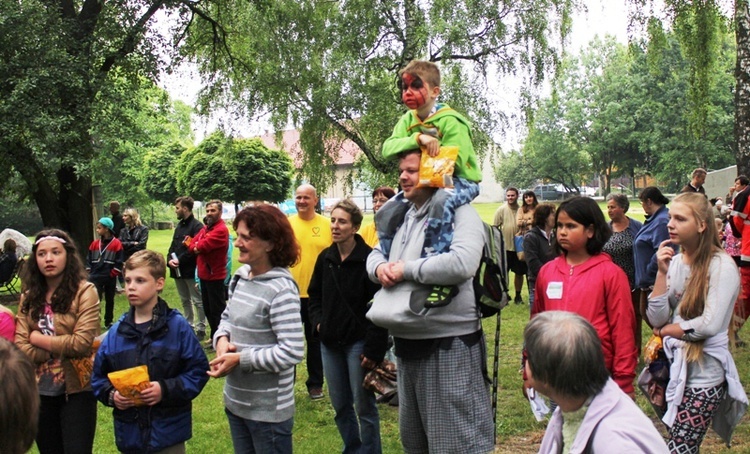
(554, 290)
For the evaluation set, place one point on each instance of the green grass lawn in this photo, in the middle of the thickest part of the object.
(314, 428)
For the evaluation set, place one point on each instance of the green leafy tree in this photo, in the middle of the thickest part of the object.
(330, 68)
(59, 61)
(159, 173)
(699, 26)
(234, 170)
(550, 154)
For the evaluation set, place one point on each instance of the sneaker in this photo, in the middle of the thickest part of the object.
(201, 335)
(518, 299)
(441, 295)
(208, 345)
(315, 393)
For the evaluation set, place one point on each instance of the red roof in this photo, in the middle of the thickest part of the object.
(347, 152)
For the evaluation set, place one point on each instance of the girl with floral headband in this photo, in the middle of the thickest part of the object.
(57, 323)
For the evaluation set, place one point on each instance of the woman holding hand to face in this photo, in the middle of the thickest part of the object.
(691, 307)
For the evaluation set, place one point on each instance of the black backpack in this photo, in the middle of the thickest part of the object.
(491, 279)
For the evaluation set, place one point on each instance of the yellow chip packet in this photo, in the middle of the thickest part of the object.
(130, 382)
(437, 172)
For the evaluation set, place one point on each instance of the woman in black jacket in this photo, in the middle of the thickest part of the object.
(339, 294)
(536, 244)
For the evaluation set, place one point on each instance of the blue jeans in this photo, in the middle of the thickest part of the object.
(260, 437)
(344, 374)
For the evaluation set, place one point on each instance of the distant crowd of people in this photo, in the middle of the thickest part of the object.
(342, 296)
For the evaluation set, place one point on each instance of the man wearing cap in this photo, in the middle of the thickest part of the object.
(104, 264)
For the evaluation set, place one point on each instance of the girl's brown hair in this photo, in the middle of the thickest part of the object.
(693, 301)
(34, 284)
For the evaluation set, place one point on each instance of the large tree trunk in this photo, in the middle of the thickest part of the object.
(742, 92)
(75, 203)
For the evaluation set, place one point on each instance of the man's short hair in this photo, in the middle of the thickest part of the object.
(744, 181)
(350, 207)
(511, 188)
(186, 202)
(425, 70)
(406, 153)
(699, 171)
(215, 202)
(114, 204)
(564, 352)
(154, 261)
(19, 400)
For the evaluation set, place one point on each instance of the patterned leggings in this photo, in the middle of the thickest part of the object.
(693, 418)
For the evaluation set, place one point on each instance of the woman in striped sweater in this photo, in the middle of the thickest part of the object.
(260, 337)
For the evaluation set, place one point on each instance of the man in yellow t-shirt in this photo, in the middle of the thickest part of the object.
(313, 233)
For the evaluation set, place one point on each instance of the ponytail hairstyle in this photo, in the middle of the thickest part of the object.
(696, 289)
(34, 284)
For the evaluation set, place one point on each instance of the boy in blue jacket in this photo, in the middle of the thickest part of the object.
(154, 335)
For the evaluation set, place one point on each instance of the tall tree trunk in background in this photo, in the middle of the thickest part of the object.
(742, 92)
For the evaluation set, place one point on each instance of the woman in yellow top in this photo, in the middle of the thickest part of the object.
(525, 214)
(379, 197)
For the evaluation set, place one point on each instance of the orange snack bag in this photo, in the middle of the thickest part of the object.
(130, 382)
(437, 172)
(651, 350)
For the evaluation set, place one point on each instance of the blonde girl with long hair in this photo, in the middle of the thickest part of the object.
(691, 309)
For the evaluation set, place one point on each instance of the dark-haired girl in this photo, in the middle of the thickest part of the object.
(584, 280)
(57, 323)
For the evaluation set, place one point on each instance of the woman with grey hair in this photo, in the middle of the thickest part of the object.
(620, 248)
(565, 363)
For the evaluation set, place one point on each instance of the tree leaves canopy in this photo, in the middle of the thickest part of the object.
(330, 68)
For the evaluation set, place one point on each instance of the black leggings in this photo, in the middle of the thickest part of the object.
(67, 424)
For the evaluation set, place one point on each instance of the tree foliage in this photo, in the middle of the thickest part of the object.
(700, 27)
(61, 62)
(330, 68)
(618, 110)
(236, 170)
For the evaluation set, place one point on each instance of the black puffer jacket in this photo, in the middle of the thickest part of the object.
(339, 296)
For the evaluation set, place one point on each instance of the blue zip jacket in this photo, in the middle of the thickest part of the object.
(174, 358)
(645, 245)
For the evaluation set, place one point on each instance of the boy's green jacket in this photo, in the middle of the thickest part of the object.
(453, 129)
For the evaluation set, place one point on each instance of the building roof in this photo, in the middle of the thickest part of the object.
(290, 143)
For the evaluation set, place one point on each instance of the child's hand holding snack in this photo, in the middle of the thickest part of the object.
(429, 144)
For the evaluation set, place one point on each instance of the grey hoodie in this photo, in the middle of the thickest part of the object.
(400, 308)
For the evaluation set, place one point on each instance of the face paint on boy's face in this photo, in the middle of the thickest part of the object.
(413, 91)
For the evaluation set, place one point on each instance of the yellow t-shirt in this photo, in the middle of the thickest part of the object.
(369, 234)
(313, 236)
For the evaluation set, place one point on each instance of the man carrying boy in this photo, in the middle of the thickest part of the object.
(154, 335)
(104, 264)
(430, 125)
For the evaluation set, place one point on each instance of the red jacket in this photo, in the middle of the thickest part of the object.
(597, 290)
(741, 220)
(212, 242)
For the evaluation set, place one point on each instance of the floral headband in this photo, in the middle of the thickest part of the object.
(53, 238)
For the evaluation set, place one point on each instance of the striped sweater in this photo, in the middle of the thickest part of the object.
(262, 319)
